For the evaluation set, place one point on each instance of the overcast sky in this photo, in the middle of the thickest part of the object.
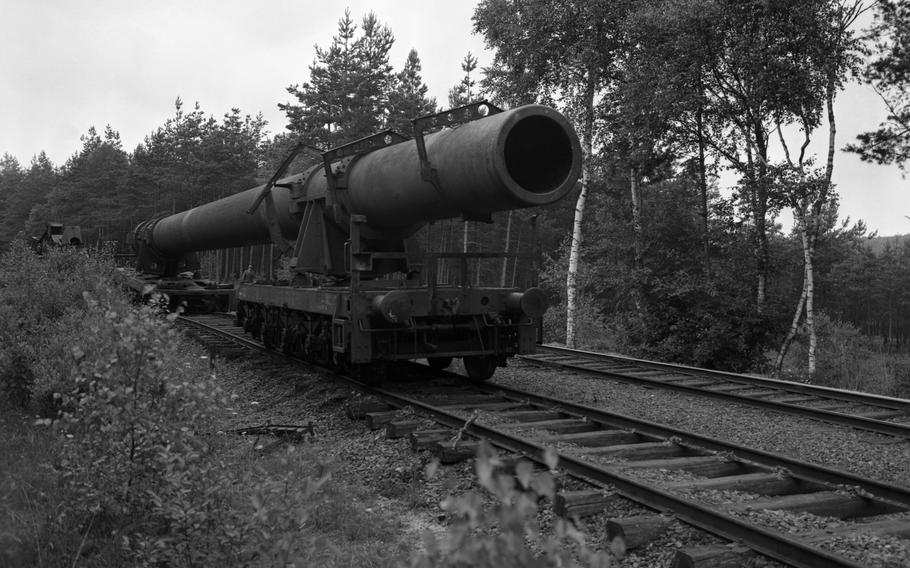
(66, 65)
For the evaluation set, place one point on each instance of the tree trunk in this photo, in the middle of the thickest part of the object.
(572, 274)
(809, 225)
(754, 170)
(831, 89)
(761, 213)
(797, 315)
(809, 254)
(703, 187)
(791, 333)
(809, 237)
(637, 239)
(575, 247)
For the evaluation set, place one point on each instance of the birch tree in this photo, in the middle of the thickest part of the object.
(741, 68)
(809, 192)
(558, 53)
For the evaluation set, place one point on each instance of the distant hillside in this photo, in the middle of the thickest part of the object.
(877, 244)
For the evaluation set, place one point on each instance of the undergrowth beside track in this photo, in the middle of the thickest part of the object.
(115, 453)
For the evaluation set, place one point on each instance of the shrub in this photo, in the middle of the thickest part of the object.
(590, 330)
(35, 292)
(848, 359)
(138, 415)
(132, 414)
(507, 534)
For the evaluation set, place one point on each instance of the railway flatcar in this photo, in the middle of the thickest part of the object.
(357, 299)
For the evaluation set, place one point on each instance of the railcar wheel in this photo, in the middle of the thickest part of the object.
(439, 363)
(480, 367)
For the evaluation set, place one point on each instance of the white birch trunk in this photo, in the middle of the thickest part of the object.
(575, 247)
(572, 274)
(794, 329)
(808, 254)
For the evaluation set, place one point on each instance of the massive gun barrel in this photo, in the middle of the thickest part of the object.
(524, 157)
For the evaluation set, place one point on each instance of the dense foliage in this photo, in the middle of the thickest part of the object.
(130, 468)
(889, 74)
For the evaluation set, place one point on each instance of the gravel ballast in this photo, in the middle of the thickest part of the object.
(867, 454)
(396, 475)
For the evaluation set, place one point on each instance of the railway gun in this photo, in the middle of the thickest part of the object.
(357, 298)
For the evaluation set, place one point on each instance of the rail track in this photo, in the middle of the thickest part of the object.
(664, 469)
(880, 414)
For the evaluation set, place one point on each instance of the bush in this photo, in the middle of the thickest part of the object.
(35, 292)
(848, 359)
(508, 534)
(134, 418)
(138, 426)
(590, 330)
(686, 319)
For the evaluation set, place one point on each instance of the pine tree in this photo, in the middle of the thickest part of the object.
(348, 92)
(90, 189)
(408, 100)
(464, 93)
(10, 177)
(33, 186)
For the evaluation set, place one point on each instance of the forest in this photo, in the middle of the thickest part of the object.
(658, 253)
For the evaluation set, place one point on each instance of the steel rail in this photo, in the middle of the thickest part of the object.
(801, 469)
(808, 471)
(763, 541)
(766, 542)
(197, 324)
(895, 429)
(870, 399)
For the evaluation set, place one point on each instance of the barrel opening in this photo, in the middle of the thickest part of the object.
(538, 154)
